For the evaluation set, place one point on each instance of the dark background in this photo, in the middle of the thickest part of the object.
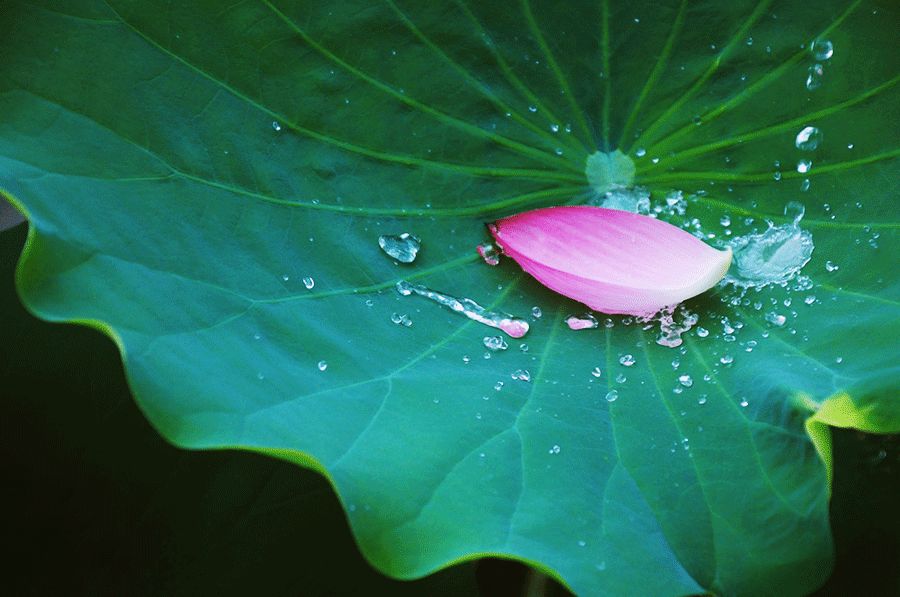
(98, 504)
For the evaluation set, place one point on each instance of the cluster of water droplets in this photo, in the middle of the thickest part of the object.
(822, 51)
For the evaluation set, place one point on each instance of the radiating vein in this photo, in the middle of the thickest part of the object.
(349, 146)
(736, 39)
(511, 76)
(655, 74)
(554, 67)
(480, 86)
(607, 75)
(476, 131)
(756, 86)
(768, 131)
(767, 176)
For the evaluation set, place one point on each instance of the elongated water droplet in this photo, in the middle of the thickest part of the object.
(585, 321)
(402, 247)
(489, 253)
(808, 138)
(513, 326)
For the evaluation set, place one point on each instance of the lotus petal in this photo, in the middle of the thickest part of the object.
(612, 261)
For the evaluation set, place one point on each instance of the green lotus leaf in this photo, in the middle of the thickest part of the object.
(207, 183)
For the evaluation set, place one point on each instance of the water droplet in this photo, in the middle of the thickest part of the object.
(276, 126)
(308, 283)
(467, 359)
(702, 332)
(831, 266)
(810, 299)
(803, 166)
(523, 347)
(744, 402)
(369, 302)
(697, 120)
(627, 360)
(285, 277)
(822, 49)
(839, 360)
(775, 318)
(725, 221)
(596, 372)
(401, 319)
(641, 152)
(701, 400)
(685, 380)
(554, 128)
(726, 359)
(536, 312)
(513, 326)
(260, 376)
(322, 365)
(804, 186)
(808, 138)
(814, 77)
(555, 449)
(521, 375)
(771, 257)
(498, 386)
(670, 327)
(612, 395)
(257, 336)
(581, 543)
(585, 321)
(532, 108)
(402, 247)
(495, 343)
(489, 253)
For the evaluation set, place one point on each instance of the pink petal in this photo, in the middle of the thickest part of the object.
(612, 261)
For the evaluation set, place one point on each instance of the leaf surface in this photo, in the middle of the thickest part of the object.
(185, 166)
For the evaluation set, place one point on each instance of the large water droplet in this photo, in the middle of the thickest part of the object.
(636, 200)
(585, 321)
(808, 138)
(822, 49)
(773, 256)
(402, 247)
(513, 326)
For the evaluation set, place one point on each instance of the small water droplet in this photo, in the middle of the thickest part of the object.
(554, 128)
(276, 126)
(641, 152)
(532, 108)
(322, 365)
(831, 266)
(701, 400)
(627, 360)
(466, 359)
(308, 283)
(495, 343)
(596, 372)
(498, 386)
(401, 319)
(521, 375)
(555, 449)
(612, 395)
(814, 77)
(725, 220)
(803, 166)
(808, 138)
(702, 332)
(402, 247)
(744, 402)
(523, 347)
(726, 359)
(536, 312)
(585, 321)
(685, 380)
(489, 253)
(804, 186)
(810, 299)
(775, 318)
(822, 49)
(620, 378)
(285, 277)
